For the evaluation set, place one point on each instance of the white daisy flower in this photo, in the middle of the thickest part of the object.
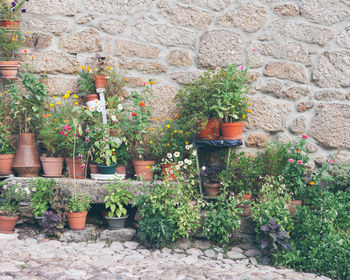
(181, 163)
(169, 155)
(189, 162)
(177, 167)
(185, 166)
(33, 189)
(176, 154)
(5, 187)
(91, 109)
(203, 168)
(114, 118)
(99, 109)
(19, 184)
(186, 160)
(194, 153)
(28, 192)
(187, 147)
(26, 189)
(120, 107)
(16, 190)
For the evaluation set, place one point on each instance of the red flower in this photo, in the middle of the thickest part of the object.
(134, 114)
(304, 136)
(141, 104)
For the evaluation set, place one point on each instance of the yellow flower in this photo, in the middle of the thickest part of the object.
(245, 109)
(186, 142)
(180, 131)
(109, 68)
(75, 96)
(5, 91)
(175, 131)
(151, 82)
(168, 144)
(28, 32)
(65, 121)
(171, 120)
(51, 105)
(150, 141)
(53, 97)
(148, 166)
(126, 80)
(161, 129)
(243, 117)
(250, 104)
(88, 68)
(58, 102)
(82, 67)
(168, 125)
(152, 128)
(312, 183)
(176, 116)
(68, 91)
(76, 103)
(155, 119)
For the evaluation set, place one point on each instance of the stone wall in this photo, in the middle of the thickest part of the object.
(298, 52)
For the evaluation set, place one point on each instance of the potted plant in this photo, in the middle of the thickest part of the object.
(137, 129)
(231, 101)
(26, 107)
(11, 38)
(195, 106)
(115, 81)
(211, 183)
(77, 209)
(6, 147)
(99, 76)
(116, 201)
(10, 198)
(41, 196)
(86, 86)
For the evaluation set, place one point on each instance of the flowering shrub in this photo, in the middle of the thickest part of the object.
(5, 126)
(11, 196)
(41, 195)
(13, 10)
(85, 80)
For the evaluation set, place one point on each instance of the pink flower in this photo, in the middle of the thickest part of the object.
(304, 136)
(300, 162)
(87, 140)
(83, 166)
(144, 83)
(254, 50)
(66, 127)
(218, 68)
(291, 160)
(241, 67)
(80, 157)
(331, 161)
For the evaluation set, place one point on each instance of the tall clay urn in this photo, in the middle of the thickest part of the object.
(26, 162)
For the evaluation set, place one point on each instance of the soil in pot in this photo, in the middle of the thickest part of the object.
(6, 164)
(7, 224)
(232, 131)
(143, 169)
(52, 166)
(106, 169)
(210, 131)
(26, 162)
(115, 222)
(212, 189)
(77, 221)
(79, 168)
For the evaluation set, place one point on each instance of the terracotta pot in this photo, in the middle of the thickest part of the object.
(77, 221)
(93, 168)
(9, 23)
(232, 131)
(168, 171)
(90, 97)
(246, 209)
(212, 189)
(247, 196)
(143, 169)
(9, 69)
(6, 164)
(120, 169)
(52, 166)
(26, 162)
(7, 224)
(292, 206)
(100, 81)
(114, 132)
(79, 167)
(210, 131)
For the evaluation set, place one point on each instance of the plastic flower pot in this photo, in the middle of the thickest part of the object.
(106, 169)
(77, 221)
(232, 131)
(115, 223)
(210, 131)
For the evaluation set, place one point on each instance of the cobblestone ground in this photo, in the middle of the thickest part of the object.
(30, 259)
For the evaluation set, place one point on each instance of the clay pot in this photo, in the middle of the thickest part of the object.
(77, 221)
(9, 23)
(100, 81)
(247, 196)
(79, 167)
(143, 169)
(168, 171)
(210, 131)
(6, 164)
(9, 69)
(7, 224)
(52, 166)
(90, 97)
(120, 169)
(246, 209)
(93, 168)
(292, 206)
(26, 162)
(232, 131)
(212, 189)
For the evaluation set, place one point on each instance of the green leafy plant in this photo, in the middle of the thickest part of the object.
(117, 199)
(86, 83)
(115, 81)
(26, 102)
(222, 218)
(41, 195)
(78, 203)
(10, 198)
(105, 149)
(6, 127)
(11, 40)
